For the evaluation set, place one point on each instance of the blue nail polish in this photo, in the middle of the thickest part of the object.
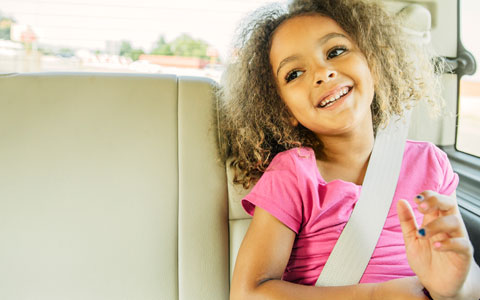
(421, 232)
(420, 197)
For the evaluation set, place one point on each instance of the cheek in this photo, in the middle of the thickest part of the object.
(366, 77)
(296, 100)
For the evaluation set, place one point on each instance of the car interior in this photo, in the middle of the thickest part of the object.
(111, 186)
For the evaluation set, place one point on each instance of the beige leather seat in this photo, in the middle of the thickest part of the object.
(110, 188)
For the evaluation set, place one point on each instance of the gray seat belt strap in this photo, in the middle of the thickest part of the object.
(351, 254)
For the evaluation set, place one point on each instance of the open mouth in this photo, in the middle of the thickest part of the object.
(330, 100)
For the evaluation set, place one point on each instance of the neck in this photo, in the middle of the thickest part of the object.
(351, 147)
(345, 156)
(346, 150)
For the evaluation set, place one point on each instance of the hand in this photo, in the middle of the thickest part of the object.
(442, 256)
(406, 288)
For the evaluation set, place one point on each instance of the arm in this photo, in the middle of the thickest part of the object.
(262, 259)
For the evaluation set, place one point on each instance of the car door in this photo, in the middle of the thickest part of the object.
(465, 152)
(454, 27)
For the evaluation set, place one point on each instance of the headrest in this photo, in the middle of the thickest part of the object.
(416, 22)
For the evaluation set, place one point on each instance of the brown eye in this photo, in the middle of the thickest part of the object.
(336, 52)
(293, 75)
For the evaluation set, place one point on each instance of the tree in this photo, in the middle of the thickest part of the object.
(162, 47)
(66, 52)
(185, 45)
(127, 50)
(5, 25)
(135, 54)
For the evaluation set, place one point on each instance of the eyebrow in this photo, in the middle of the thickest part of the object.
(321, 41)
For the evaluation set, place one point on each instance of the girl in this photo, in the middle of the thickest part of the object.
(302, 102)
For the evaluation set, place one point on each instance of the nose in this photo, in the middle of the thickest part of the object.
(324, 74)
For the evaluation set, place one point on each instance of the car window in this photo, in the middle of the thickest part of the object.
(184, 37)
(468, 135)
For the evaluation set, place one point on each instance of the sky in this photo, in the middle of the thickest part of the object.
(89, 23)
(470, 9)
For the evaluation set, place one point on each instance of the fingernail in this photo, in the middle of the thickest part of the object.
(421, 232)
(420, 197)
(437, 244)
(424, 206)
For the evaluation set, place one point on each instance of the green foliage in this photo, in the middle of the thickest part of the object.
(185, 45)
(127, 50)
(162, 47)
(5, 25)
(46, 51)
(66, 52)
(135, 54)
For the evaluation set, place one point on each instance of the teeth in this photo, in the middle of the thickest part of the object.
(334, 97)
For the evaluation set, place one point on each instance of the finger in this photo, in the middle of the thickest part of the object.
(450, 225)
(458, 245)
(431, 202)
(407, 220)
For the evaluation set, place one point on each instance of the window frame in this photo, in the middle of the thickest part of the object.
(466, 165)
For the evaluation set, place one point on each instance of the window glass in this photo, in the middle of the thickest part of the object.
(468, 133)
(185, 37)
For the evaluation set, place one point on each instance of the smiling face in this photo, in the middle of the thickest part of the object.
(321, 75)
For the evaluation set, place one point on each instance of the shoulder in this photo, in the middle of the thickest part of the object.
(426, 152)
(412, 145)
(292, 159)
(425, 162)
(286, 174)
(278, 191)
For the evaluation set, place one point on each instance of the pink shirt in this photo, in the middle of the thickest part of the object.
(293, 191)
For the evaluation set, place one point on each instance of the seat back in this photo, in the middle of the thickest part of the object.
(110, 188)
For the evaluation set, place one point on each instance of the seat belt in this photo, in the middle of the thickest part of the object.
(354, 248)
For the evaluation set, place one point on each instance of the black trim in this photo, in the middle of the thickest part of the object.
(468, 169)
(464, 64)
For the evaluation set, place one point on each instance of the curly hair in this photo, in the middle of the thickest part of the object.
(254, 122)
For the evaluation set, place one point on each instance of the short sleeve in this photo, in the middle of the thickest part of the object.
(278, 193)
(450, 178)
